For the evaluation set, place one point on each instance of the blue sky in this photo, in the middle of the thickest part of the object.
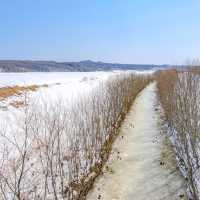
(126, 31)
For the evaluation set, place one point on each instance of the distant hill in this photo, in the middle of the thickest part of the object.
(83, 66)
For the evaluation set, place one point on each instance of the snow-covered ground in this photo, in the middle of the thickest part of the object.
(62, 88)
(30, 78)
(64, 85)
(60, 85)
(39, 78)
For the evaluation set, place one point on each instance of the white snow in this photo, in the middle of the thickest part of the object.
(30, 78)
(62, 87)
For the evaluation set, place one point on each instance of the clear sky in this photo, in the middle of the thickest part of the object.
(126, 31)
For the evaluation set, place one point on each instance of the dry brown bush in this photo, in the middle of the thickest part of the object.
(179, 94)
(62, 150)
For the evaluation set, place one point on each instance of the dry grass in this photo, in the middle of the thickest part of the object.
(6, 92)
(17, 104)
(166, 81)
(179, 94)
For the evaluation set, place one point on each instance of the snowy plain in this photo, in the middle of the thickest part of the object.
(63, 88)
(60, 85)
(64, 85)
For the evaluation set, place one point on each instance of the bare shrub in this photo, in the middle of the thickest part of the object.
(56, 151)
(179, 93)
